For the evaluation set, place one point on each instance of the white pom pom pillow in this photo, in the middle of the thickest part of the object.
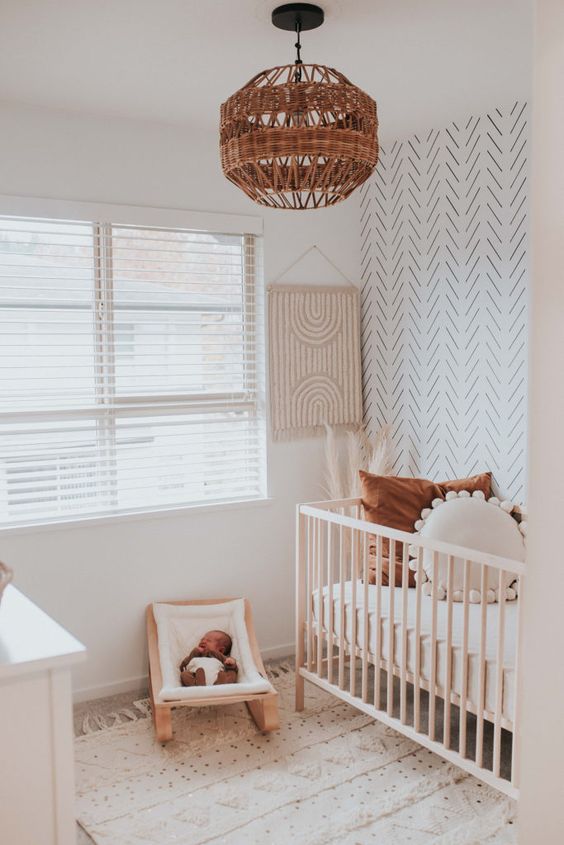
(469, 520)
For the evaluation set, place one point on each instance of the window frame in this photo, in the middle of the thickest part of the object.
(107, 412)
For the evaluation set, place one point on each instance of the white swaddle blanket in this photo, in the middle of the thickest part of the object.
(211, 666)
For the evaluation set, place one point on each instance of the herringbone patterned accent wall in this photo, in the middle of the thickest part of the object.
(444, 227)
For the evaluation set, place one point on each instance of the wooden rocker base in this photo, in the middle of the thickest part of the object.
(262, 706)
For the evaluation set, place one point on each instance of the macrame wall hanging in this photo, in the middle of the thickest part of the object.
(315, 370)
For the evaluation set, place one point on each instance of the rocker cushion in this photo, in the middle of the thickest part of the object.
(179, 628)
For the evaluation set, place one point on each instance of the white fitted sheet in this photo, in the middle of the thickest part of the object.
(510, 628)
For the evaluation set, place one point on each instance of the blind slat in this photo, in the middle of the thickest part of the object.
(123, 483)
(130, 369)
(125, 462)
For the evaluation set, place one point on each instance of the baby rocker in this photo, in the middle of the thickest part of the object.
(173, 628)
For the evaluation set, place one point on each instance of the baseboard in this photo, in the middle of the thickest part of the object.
(277, 651)
(141, 682)
(105, 690)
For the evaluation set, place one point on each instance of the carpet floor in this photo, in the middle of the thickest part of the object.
(330, 775)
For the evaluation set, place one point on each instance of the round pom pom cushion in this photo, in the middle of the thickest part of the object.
(474, 523)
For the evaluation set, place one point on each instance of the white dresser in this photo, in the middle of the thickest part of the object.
(36, 736)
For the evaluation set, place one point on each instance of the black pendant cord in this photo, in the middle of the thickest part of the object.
(298, 62)
(298, 18)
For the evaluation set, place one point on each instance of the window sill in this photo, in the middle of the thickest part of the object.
(135, 516)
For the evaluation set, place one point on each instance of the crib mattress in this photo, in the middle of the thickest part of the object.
(474, 628)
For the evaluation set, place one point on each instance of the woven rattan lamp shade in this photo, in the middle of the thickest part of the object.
(299, 144)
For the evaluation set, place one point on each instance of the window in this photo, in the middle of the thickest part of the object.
(131, 369)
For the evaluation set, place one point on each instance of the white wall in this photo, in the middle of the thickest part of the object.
(96, 580)
(542, 679)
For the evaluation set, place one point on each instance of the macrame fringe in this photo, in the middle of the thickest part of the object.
(350, 289)
(287, 434)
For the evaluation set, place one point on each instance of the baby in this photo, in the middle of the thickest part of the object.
(209, 663)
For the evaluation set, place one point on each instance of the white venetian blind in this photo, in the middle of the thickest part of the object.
(130, 369)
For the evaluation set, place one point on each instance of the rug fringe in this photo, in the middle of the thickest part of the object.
(94, 722)
(480, 829)
(277, 670)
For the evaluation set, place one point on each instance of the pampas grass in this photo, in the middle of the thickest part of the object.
(356, 459)
(332, 486)
(381, 458)
(375, 455)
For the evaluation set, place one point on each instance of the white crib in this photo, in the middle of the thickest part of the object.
(391, 651)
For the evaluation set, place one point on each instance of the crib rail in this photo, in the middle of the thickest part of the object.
(439, 670)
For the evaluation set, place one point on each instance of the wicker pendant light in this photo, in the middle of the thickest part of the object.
(300, 135)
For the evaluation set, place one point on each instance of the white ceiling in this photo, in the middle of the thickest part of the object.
(175, 61)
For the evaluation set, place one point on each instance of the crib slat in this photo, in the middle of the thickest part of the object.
(448, 667)
(378, 624)
(328, 559)
(391, 626)
(320, 611)
(515, 744)
(499, 675)
(314, 586)
(365, 641)
(309, 592)
(417, 678)
(301, 587)
(433, 673)
(329, 553)
(464, 660)
(403, 670)
(482, 669)
(341, 608)
(354, 626)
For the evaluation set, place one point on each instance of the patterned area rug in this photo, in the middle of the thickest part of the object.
(330, 775)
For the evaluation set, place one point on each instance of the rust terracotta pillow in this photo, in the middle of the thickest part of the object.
(397, 502)
(482, 482)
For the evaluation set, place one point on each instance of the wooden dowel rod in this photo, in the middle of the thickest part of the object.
(515, 746)
(354, 625)
(499, 674)
(301, 539)
(448, 656)
(309, 592)
(391, 627)
(464, 662)
(433, 673)
(320, 612)
(404, 594)
(482, 668)
(341, 607)
(331, 600)
(365, 617)
(416, 683)
(378, 624)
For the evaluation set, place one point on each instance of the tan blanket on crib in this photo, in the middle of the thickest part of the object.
(386, 570)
